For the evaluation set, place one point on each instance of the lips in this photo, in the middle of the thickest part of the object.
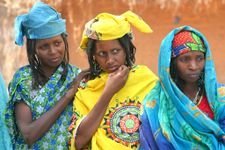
(55, 59)
(194, 75)
(112, 68)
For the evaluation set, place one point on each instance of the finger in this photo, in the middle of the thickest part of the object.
(125, 73)
(122, 67)
(124, 70)
(84, 74)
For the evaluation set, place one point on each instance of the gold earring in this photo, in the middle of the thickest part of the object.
(36, 57)
(94, 58)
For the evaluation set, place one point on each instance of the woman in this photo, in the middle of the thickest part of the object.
(39, 108)
(185, 110)
(106, 107)
(5, 142)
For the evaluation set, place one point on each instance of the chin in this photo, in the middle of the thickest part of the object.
(192, 81)
(55, 65)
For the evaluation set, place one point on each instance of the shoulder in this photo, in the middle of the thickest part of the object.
(74, 69)
(23, 72)
(154, 94)
(143, 70)
(20, 75)
(221, 84)
(221, 89)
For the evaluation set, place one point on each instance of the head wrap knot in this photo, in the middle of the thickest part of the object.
(41, 22)
(106, 26)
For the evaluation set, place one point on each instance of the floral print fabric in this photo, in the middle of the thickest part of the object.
(41, 100)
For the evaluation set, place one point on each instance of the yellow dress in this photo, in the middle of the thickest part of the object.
(119, 128)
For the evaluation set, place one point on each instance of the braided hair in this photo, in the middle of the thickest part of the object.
(38, 76)
(124, 41)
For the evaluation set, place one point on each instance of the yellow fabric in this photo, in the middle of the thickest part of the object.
(140, 81)
(106, 26)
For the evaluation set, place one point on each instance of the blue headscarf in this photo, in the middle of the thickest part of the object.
(170, 120)
(41, 22)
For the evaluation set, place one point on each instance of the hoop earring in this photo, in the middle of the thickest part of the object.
(94, 59)
(37, 59)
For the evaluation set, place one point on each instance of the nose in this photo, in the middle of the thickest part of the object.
(193, 65)
(110, 59)
(52, 49)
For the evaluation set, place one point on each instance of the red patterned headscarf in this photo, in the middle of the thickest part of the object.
(186, 41)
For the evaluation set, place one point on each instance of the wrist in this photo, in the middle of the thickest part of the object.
(108, 93)
(69, 95)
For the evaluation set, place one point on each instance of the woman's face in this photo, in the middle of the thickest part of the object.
(190, 65)
(110, 55)
(50, 52)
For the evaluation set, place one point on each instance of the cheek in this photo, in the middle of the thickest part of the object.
(202, 65)
(37, 53)
(180, 68)
(62, 51)
(123, 58)
(101, 62)
(41, 55)
(181, 71)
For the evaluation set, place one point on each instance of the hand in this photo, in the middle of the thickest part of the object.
(76, 82)
(117, 79)
(84, 74)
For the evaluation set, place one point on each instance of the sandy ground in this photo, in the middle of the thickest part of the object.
(209, 19)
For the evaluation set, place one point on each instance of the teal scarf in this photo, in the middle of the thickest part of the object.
(5, 142)
(170, 120)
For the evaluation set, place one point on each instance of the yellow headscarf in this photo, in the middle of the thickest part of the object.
(106, 26)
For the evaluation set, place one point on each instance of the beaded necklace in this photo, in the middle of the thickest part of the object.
(198, 96)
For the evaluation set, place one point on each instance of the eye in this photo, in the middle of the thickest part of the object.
(200, 58)
(57, 43)
(102, 54)
(43, 47)
(115, 51)
(184, 59)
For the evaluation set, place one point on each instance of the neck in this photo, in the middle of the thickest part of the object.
(48, 71)
(190, 89)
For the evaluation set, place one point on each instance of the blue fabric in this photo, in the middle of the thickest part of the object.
(170, 120)
(41, 22)
(5, 141)
(40, 100)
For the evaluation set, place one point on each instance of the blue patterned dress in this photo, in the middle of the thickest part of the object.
(41, 100)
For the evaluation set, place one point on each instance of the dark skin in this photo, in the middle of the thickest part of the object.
(189, 67)
(111, 57)
(50, 52)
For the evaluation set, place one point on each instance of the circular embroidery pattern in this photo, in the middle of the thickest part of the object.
(122, 123)
(129, 123)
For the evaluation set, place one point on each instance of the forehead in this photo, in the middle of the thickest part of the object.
(41, 41)
(107, 44)
(191, 54)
